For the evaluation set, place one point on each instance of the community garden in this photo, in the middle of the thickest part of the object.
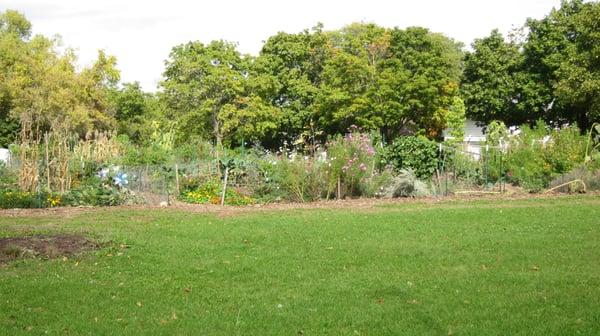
(325, 186)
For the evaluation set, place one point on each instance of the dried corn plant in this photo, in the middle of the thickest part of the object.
(29, 155)
(55, 159)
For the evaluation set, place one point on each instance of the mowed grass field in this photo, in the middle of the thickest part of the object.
(502, 267)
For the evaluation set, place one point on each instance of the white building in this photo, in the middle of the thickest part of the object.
(474, 138)
(4, 155)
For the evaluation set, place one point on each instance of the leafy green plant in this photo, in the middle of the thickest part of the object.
(351, 160)
(12, 199)
(210, 192)
(301, 178)
(412, 152)
(93, 191)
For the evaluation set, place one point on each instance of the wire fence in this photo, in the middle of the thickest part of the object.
(460, 170)
(470, 169)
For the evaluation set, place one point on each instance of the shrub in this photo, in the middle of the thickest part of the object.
(351, 159)
(10, 199)
(412, 152)
(95, 192)
(301, 178)
(376, 185)
(406, 184)
(538, 155)
(8, 178)
(210, 193)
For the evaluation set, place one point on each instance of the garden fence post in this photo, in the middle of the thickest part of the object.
(47, 161)
(177, 178)
(224, 185)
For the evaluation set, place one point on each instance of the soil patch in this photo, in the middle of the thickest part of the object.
(43, 246)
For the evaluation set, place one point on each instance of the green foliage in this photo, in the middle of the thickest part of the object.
(14, 23)
(8, 178)
(295, 62)
(41, 87)
(11, 199)
(534, 157)
(377, 184)
(136, 112)
(412, 152)
(215, 94)
(456, 119)
(561, 50)
(95, 192)
(388, 80)
(351, 159)
(493, 82)
(210, 192)
(301, 179)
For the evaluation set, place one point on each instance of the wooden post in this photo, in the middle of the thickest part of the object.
(339, 188)
(47, 161)
(177, 178)
(224, 186)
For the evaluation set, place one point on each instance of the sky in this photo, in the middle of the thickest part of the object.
(141, 33)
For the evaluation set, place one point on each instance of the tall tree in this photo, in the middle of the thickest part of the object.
(489, 84)
(394, 81)
(14, 32)
(41, 88)
(208, 88)
(433, 63)
(561, 61)
(296, 62)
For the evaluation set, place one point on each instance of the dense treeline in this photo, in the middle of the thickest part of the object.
(309, 86)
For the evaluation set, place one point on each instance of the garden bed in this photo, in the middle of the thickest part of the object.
(44, 246)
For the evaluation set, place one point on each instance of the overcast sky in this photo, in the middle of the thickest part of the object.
(141, 33)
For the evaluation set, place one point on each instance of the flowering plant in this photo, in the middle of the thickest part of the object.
(351, 160)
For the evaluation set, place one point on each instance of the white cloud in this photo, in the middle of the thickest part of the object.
(141, 33)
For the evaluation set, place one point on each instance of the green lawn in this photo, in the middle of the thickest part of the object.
(529, 267)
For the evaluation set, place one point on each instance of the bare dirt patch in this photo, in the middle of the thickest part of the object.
(43, 246)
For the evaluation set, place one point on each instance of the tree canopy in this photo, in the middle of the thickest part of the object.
(313, 84)
(552, 75)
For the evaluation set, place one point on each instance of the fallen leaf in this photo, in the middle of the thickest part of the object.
(139, 304)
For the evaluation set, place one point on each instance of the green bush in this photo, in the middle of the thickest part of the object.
(8, 178)
(537, 155)
(11, 199)
(377, 184)
(412, 152)
(95, 192)
(301, 179)
(406, 184)
(351, 159)
(211, 192)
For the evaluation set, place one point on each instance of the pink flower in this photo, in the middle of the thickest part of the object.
(363, 167)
